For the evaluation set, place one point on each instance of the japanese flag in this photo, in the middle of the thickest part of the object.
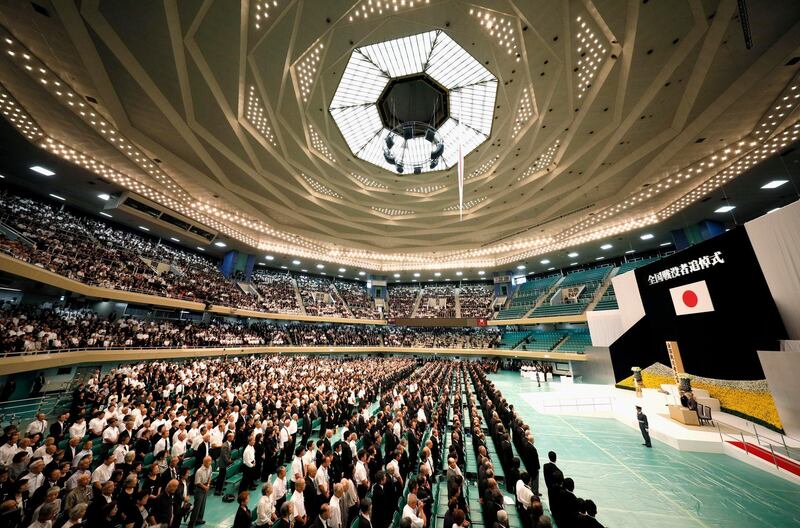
(691, 299)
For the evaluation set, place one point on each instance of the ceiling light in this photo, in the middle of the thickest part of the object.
(102, 213)
(220, 243)
(342, 270)
(481, 272)
(57, 197)
(261, 264)
(322, 273)
(725, 209)
(105, 197)
(599, 258)
(416, 274)
(2, 177)
(430, 280)
(606, 246)
(647, 236)
(413, 280)
(296, 262)
(41, 170)
(396, 275)
(550, 268)
(459, 273)
(174, 239)
(362, 273)
(521, 266)
(304, 270)
(320, 266)
(545, 261)
(284, 267)
(774, 184)
(573, 263)
(201, 248)
(630, 251)
(437, 274)
(143, 228)
(572, 255)
(665, 244)
(340, 276)
(269, 257)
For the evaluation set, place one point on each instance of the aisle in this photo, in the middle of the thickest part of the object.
(660, 487)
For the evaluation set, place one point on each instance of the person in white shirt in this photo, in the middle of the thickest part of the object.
(413, 512)
(35, 477)
(111, 433)
(279, 488)
(297, 464)
(179, 445)
(265, 510)
(78, 429)
(122, 450)
(103, 472)
(298, 502)
(249, 462)
(9, 449)
(361, 474)
(322, 479)
(335, 520)
(97, 424)
(523, 490)
(163, 443)
(39, 425)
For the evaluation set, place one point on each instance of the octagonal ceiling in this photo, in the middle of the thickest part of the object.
(608, 116)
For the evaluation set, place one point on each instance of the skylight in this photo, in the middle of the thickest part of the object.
(470, 86)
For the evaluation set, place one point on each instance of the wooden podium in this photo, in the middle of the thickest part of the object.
(681, 414)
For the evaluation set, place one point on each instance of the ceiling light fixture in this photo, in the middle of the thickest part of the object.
(201, 248)
(663, 244)
(459, 273)
(647, 236)
(143, 228)
(573, 254)
(606, 246)
(296, 262)
(320, 266)
(396, 275)
(521, 266)
(774, 184)
(103, 213)
(220, 243)
(58, 197)
(599, 258)
(174, 239)
(416, 274)
(725, 209)
(545, 261)
(43, 171)
(342, 270)
(437, 274)
(362, 273)
(481, 272)
(105, 197)
(630, 251)
(269, 257)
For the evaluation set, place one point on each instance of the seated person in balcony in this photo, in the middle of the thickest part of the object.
(688, 401)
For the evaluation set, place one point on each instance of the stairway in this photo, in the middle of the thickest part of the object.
(249, 289)
(299, 297)
(458, 302)
(598, 294)
(545, 296)
(416, 303)
(337, 298)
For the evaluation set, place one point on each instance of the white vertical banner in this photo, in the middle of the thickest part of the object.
(460, 183)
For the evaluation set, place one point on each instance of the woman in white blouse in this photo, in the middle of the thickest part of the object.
(265, 510)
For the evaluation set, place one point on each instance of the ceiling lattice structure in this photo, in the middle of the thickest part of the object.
(609, 116)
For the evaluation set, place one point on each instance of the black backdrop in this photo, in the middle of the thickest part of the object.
(720, 344)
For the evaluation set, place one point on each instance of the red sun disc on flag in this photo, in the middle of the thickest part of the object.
(690, 298)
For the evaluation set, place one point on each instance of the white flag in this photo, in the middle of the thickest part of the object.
(692, 298)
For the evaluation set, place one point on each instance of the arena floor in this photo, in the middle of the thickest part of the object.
(634, 486)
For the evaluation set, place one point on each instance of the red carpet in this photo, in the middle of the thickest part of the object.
(764, 454)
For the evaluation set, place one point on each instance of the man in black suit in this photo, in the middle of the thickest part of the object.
(321, 520)
(530, 458)
(311, 494)
(166, 508)
(59, 427)
(644, 426)
(380, 500)
(550, 469)
(365, 513)
(202, 451)
(71, 450)
(223, 461)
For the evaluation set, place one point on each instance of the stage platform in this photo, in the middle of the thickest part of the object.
(689, 474)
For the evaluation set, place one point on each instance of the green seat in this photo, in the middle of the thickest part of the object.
(148, 459)
(188, 462)
(356, 523)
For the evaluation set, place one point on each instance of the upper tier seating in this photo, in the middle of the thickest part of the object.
(591, 279)
(318, 297)
(476, 300)
(357, 298)
(277, 292)
(526, 296)
(512, 338)
(609, 299)
(577, 341)
(542, 341)
(401, 300)
(437, 301)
